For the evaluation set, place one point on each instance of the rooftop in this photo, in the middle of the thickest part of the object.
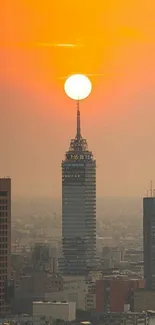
(51, 302)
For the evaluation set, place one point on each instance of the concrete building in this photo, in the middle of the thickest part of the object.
(113, 254)
(5, 244)
(133, 255)
(113, 294)
(75, 289)
(65, 311)
(144, 300)
(91, 297)
(34, 287)
(78, 207)
(149, 241)
(44, 257)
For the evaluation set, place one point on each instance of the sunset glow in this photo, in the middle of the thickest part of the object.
(111, 41)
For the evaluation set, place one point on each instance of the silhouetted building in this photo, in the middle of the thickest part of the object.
(78, 207)
(5, 245)
(149, 241)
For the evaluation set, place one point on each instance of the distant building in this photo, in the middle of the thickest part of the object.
(74, 289)
(5, 244)
(111, 257)
(63, 310)
(149, 241)
(112, 251)
(78, 207)
(34, 287)
(112, 295)
(133, 255)
(44, 257)
(91, 297)
(144, 300)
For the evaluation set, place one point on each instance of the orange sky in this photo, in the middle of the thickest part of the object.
(113, 38)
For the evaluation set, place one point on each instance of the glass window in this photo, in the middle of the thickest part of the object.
(3, 193)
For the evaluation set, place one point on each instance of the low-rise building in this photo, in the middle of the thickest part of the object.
(112, 294)
(75, 290)
(143, 300)
(65, 311)
(34, 287)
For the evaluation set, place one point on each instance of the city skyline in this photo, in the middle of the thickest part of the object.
(77, 194)
(117, 51)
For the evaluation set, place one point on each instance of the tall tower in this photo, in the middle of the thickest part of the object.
(78, 206)
(5, 243)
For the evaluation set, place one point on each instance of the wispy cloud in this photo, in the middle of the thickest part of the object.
(39, 44)
(86, 74)
(63, 45)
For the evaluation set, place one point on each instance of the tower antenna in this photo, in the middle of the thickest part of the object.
(151, 189)
(78, 121)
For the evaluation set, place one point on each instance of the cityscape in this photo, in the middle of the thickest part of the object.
(74, 265)
(77, 176)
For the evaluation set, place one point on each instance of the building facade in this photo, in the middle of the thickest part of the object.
(75, 289)
(112, 295)
(63, 310)
(5, 244)
(33, 288)
(78, 207)
(143, 300)
(149, 241)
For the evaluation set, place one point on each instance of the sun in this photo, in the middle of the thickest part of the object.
(78, 87)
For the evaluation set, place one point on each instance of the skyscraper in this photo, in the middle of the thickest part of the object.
(5, 243)
(149, 241)
(78, 206)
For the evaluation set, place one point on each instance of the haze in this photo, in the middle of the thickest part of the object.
(37, 120)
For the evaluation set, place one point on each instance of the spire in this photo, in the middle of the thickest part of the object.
(78, 143)
(78, 134)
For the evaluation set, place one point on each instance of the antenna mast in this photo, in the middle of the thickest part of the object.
(78, 121)
(151, 189)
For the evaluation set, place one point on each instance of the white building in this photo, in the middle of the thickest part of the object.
(55, 310)
(75, 290)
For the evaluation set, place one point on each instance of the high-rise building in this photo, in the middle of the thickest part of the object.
(5, 243)
(149, 241)
(78, 206)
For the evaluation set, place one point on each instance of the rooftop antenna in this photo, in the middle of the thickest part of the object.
(78, 120)
(151, 189)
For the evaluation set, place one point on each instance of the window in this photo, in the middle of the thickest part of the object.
(3, 193)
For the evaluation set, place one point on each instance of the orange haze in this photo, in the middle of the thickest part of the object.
(41, 42)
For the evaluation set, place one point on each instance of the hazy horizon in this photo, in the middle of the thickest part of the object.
(106, 207)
